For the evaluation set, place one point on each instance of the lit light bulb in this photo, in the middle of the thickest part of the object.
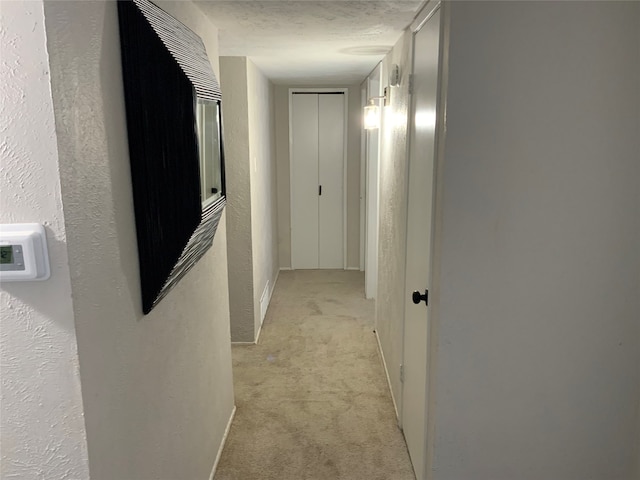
(371, 117)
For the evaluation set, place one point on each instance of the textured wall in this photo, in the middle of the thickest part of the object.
(393, 214)
(283, 194)
(233, 81)
(538, 361)
(264, 221)
(42, 429)
(354, 125)
(251, 181)
(157, 389)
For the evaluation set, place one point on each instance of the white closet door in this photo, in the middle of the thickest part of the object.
(304, 181)
(331, 177)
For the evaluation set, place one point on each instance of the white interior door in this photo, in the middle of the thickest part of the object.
(304, 181)
(331, 178)
(419, 235)
(317, 180)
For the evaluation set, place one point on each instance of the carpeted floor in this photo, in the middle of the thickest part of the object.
(312, 398)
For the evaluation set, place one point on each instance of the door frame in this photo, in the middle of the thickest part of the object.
(363, 179)
(372, 190)
(345, 91)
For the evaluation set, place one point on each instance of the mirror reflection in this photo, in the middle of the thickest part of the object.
(208, 125)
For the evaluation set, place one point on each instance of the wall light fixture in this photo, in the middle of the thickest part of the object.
(372, 112)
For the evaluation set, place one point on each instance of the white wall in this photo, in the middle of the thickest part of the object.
(535, 302)
(354, 126)
(42, 430)
(393, 214)
(157, 389)
(283, 194)
(264, 220)
(233, 81)
(251, 190)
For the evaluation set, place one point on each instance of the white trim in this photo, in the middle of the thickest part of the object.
(363, 176)
(222, 443)
(290, 127)
(263, 297)
(424, 15)
(386, 372)
(345, 91)
(441, 135)
(273, 287)
(275, 281)
(259, 332)
(285, 269)
(356, 269)
(271, 290)
(372, 189)
(419, 22)
(345, 161)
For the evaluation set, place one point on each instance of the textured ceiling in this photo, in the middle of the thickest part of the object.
(307, 42)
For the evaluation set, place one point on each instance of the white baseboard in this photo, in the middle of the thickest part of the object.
(268, 292)
(386, 372)
(285, 269)
(265, 298)
(222, 443)
(270, 295)
(249, 343)
(353, 268)
(258, 335)
(273, 287)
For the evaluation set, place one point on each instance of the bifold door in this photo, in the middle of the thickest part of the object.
(317, 180)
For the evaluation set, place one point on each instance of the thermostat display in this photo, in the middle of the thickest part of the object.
(6, 254)
(11, 258)
(23, 253)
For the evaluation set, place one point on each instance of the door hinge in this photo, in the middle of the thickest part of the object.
(401, 373)
(411, 77)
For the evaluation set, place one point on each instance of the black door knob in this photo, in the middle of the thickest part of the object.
(420, 297)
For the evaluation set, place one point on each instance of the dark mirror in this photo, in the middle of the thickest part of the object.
(173, 104)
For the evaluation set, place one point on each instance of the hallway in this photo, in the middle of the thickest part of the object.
(312, 398)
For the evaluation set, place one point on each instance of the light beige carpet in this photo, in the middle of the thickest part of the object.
(312, 398)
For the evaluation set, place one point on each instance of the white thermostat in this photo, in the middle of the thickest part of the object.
(23, 253)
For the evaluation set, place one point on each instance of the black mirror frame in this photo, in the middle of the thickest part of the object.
(165, 69)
